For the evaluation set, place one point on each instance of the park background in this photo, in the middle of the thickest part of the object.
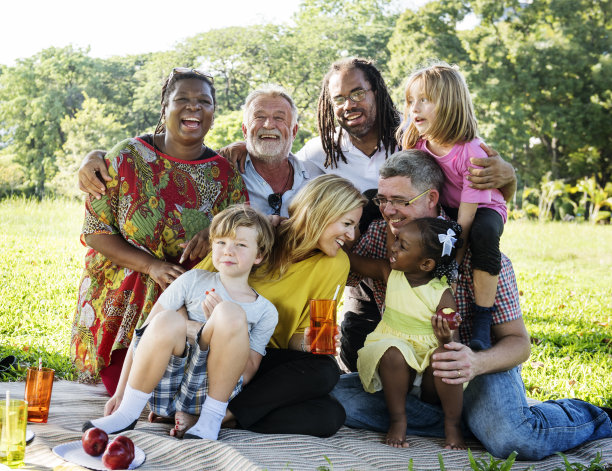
(539, 71)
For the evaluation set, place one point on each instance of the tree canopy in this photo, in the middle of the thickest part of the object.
(539, 72)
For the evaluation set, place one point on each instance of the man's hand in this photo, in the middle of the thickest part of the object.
(93, 173)
(495, 173)
(235, 153)
(164, 273)
(456, 365)
(197, 248)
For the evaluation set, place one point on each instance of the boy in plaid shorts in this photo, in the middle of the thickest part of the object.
(230, 325)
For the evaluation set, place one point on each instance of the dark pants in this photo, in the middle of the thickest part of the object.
(361, 316)
(290, 394)
(487, 229)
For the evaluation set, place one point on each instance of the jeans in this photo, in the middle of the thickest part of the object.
(496, 411)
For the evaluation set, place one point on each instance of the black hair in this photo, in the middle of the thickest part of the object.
(430, 228)
(168, 88)
(387, 116)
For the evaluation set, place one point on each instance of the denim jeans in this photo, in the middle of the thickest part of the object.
(496, 411)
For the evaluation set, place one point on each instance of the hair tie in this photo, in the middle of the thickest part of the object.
(448, 242)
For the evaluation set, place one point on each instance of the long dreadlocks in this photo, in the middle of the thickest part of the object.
(387, 116)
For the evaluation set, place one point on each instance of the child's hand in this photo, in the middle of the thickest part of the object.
(441, 329)
(210, 302)
(112, 405)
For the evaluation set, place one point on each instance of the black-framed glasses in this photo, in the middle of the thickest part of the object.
(397, 203)
(355, 96)
(275, 200)
(187, 70)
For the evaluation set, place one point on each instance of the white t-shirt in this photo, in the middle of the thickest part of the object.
(359, 168)
(189, 290)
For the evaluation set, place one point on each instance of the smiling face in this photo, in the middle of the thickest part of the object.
(269, 130)
(407, 251)
(421, 108)
(357, 118)
(338, 232)
(400, 188)
(235, 256)
(189, 111)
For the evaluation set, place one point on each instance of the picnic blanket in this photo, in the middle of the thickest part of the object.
(350, 449)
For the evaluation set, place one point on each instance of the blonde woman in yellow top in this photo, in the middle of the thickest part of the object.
(290, 392)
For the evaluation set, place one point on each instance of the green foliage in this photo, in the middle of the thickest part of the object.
(492, 464)
(540, 74)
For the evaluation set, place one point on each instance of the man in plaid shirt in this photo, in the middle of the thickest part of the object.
(495, 405)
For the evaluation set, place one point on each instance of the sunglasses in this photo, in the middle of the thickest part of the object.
(275, 200)
(187, 70)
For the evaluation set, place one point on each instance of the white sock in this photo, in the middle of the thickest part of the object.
(131, 406)
(209, 422)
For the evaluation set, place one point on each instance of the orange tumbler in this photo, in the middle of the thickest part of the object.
(323, 326)
(39, 384)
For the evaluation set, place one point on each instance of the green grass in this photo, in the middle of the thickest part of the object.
(563, 273)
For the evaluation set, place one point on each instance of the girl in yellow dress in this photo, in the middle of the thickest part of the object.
(396, 355)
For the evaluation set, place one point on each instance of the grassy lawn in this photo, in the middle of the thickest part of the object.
(563, 273)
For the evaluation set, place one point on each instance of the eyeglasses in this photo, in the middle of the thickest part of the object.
(356, 97)
(379, 201)
(275, 200)
(187, 70)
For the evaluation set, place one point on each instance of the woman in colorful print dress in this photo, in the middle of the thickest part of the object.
(164, 191)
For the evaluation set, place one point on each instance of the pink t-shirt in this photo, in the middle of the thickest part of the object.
(456, 185)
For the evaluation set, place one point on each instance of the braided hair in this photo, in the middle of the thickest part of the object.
(430, 228)
(387, 116)
(168, 88)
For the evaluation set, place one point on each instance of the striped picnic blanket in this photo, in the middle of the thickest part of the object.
(350, 449)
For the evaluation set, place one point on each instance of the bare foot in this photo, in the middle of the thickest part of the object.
(159, 419)
(182, 422)
(396, 435)
(454, 438)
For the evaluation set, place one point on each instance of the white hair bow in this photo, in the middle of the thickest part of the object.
(448, 241)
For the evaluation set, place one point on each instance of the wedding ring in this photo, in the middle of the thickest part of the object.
(458, 373)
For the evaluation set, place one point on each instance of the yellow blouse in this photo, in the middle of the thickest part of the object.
(313, 278)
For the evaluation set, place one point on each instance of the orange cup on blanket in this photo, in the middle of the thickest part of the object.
(323, 326)
(39, 384)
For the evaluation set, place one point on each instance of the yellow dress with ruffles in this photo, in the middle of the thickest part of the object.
(406, 325)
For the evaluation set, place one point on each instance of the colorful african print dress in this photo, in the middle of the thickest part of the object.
(155, 202)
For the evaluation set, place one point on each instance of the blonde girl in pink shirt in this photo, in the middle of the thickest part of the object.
(439, 118)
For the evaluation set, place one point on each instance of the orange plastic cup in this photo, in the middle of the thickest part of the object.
(323, 326)
(39, 384)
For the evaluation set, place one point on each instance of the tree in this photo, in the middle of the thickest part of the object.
(93, 126)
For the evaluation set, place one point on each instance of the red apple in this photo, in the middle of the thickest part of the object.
(119, 453)
(126, 441)
(452, 317)
(94, 441)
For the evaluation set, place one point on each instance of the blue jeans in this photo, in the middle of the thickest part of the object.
(496, 411)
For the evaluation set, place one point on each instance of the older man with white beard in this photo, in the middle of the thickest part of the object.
(272, 174)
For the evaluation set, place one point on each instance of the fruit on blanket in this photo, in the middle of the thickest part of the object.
(119, 453)
(452, 317)
(94, 441)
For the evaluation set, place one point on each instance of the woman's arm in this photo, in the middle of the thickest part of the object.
(120, 252)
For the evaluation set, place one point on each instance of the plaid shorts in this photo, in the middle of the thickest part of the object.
(184, 385)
